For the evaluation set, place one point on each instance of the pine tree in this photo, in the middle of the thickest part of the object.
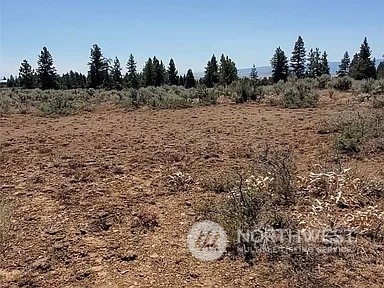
(344, 65)
(298, 58)
(149, 76)
(97, 68)
(173, 79)
(211, 76)
(26, 75)
(160, 72)
(362, 67)
(312, 65)
(117, 78)
(227, 70)
(189, 80)
(11, 82)
(279, 64)
(253, 75)
(324, 65)
(380, 70)
(46, 71)
(132, 77)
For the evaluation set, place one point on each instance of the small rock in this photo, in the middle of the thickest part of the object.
(42, 264)
(52, 231)
(130, 256)
(188, 203)
(154, 255)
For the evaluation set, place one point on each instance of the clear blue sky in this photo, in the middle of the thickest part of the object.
(189, 31)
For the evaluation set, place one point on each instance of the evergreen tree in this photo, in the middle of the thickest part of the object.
(344, 65)
(26, 75)
(117, 78)
(298, 58)
(380, 70)
(159, 71)
(107, 77)
(253, 74)
(172, 73)
(227, 70)
(46, 71)
(211, 76)
(189, 80)
(12, 82)
(324, 65)
(312, 65)
(149, 77)
(98, 66)
(132, 78)
(279, 64)
(362, 67)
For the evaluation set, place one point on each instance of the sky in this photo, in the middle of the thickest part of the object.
(248, 31)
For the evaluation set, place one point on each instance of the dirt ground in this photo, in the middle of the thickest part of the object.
(78, 186)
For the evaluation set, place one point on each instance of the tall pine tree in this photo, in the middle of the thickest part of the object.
(324, 65)
(279, 64)
(132, 77)
(380, 70)
(173, 79)
(149, 76)
(26, 75)
(211, 75)
(344, 65)
(253, 74)
(190, 80)
(298, 58)
(227, 70)
(46, 71)
(117, 79)
(97, 67)
(362, 66)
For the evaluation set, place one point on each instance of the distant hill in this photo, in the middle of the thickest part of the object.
(266, 71)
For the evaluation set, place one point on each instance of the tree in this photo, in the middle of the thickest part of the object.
(253, 74)
(149, 76)
(211, 74)
(362, 67)
(279, 64)
(190, 80)
(107, 71)
(117, 78)
(132, 77)
(227, 70)
(159, 72)
(46, 71)
(380, 70)
(344, 65)
(173, 79)
(298, 58)
(98, 66)
(12, 82)
(26, 75)
(324, 65)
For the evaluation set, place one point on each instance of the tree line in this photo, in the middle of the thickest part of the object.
(107, 73)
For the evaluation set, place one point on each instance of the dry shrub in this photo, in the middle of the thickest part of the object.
(144, 222)
(5, 225)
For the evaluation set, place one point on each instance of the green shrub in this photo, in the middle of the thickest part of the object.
(207, 95)
(5, 104)
(341, 83)
(247, 90)
(300, 95)
(323, 81)
(356, 130)
(58, 104)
